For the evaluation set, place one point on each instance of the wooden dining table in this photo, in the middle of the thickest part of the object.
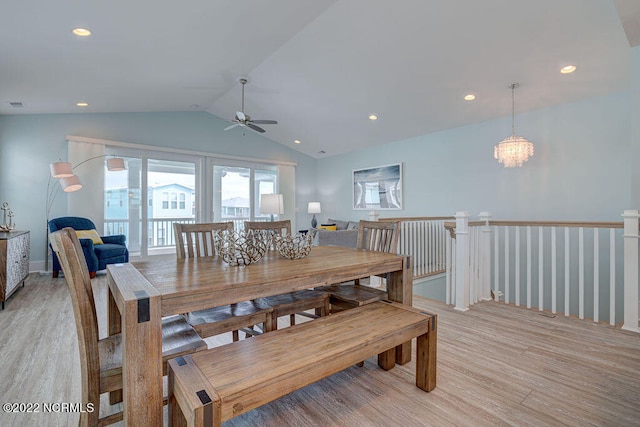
(141, 293)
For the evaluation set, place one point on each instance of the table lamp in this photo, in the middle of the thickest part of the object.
(271, 204)
(314, 208)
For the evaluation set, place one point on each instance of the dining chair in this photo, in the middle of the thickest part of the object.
(101, 359)
(198, 240)
(379, 236)
(291, 303)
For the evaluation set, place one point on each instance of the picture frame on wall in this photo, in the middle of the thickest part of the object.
(378, 188)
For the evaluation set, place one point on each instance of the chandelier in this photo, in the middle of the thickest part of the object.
(514, 150)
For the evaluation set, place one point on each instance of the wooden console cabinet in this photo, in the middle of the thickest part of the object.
(14, 262)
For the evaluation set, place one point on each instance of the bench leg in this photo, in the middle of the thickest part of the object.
(192, 400)
(426, 361)
(387, 359)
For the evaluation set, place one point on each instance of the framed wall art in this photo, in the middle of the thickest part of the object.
(378, 188)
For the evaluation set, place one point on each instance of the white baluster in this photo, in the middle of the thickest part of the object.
(554, 298)
(448, 261)
(566, 271)
(496, 263)
(581, 273)
(528, 266)
(485, 262)
(517, 262)
(596, 276)
(630, 270)
(612, 277)
(540, 270)
(506, 265)
(462, 261)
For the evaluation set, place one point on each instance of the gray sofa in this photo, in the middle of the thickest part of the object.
(346, 234)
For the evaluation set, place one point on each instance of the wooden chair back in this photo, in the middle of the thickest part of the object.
(379, 236)
(196, 240)
(67, 247)
(282, 228)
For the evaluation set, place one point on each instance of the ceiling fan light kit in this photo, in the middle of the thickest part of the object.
(514, 150)
(244, 120)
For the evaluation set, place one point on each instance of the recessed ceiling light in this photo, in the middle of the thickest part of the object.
(82, 104)
(373, 117)
(81, 32)
(296, 141)
(469, 97)
(568, 69)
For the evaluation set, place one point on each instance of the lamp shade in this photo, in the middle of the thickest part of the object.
(70, 184)
(115, 164)
(314, 208)
(61, 169)
(271, 204)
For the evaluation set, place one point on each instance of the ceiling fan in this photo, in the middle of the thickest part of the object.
(242, 119)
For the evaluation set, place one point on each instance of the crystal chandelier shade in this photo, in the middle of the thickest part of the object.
(515, 150)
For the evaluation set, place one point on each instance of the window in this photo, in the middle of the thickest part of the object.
(170, 184)
(237, 191)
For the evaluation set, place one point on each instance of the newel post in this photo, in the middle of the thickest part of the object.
(485, 257)
(630, 270)
(462, 261)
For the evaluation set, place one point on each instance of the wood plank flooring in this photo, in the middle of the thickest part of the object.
(497, 365)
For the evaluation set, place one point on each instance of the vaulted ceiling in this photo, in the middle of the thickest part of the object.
(320, 67)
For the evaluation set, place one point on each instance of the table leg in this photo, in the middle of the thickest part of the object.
(400, 289)
(141, 323)
(114, 327)
(142, 360)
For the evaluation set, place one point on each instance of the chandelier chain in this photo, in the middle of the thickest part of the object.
(513, 109)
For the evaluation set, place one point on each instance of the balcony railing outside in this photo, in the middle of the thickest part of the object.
(160, 233)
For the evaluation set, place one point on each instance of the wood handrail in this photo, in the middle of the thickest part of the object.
(417, 218)
(584, 224)
(451, 226)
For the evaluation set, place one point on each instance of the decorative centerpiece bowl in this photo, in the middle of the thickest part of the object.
(241, 248)
(294, 246)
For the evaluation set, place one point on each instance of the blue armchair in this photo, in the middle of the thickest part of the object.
(112, 251)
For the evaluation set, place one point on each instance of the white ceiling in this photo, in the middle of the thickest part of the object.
(319, 67)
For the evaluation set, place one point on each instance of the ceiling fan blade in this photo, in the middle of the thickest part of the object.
(232, 126)
(240, 116)
(256, 128)
(265, 122)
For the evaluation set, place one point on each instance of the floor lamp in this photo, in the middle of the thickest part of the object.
(69, 182)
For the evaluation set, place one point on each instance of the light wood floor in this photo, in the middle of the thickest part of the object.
(497, 365)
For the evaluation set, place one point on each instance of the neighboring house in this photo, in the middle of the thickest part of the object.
(236, 207)
(171, 201)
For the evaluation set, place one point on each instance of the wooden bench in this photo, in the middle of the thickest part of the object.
(218, 384)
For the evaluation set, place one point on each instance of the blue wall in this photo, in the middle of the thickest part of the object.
(581, 169)
(28, 143)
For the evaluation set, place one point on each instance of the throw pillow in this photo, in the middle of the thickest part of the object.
(331, 227)
(90, 234)
(353, 225)
(340, 225)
